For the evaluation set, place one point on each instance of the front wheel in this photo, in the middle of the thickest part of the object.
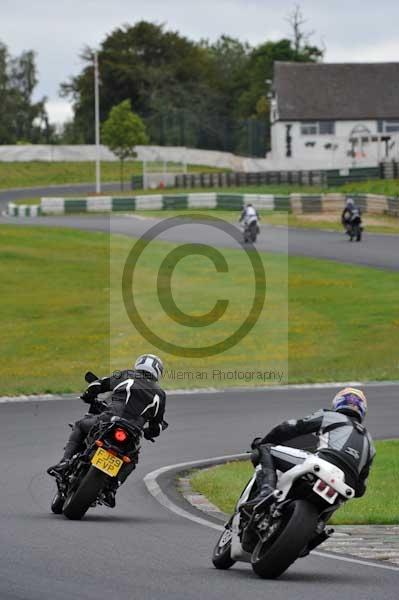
(221, 556)
(57, 503)
(272, 557)
(78, 502)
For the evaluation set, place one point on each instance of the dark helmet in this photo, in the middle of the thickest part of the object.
(149, 363)
(352, 402)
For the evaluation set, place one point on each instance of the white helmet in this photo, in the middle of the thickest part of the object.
(150, 364)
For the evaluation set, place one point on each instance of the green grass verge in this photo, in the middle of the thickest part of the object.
(40, 173)
(222, 485)
(61, 314)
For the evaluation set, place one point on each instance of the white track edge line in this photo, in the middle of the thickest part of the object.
(155, 490)
(178, 392)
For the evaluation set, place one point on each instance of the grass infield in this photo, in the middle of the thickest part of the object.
(223, 484)
(61, 314)
(42, 173)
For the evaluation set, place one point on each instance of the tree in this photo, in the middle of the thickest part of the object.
(196, 94)
(122, 131)
(21, 119)
(301, 38)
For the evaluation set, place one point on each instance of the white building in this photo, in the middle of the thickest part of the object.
(334, 116)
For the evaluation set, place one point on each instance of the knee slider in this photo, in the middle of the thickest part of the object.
(255, 457)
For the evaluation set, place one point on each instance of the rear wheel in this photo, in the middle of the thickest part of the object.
(79, 501)
(274, 555)
(221, 556)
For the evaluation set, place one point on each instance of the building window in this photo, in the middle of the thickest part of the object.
(327, 127)
(318, 128)
(309, 128)
(388, 126)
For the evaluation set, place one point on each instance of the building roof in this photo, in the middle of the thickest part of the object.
(312, 91)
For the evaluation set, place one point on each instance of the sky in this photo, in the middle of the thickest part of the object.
(357, 31)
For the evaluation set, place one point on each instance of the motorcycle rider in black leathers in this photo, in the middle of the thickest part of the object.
(136, 396)
(350, 211)
(341, 440)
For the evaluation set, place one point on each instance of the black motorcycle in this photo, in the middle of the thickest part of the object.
(353, 226)
(112, 443)
(251, 231)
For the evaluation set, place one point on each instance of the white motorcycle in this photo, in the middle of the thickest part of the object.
(271, 539)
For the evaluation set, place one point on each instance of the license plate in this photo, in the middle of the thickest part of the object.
(107, 462)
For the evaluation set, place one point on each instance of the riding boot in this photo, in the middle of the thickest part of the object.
(266, 479)
(72, 446)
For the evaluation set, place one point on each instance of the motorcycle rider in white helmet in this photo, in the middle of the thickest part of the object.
(136, 396)
(249, 214)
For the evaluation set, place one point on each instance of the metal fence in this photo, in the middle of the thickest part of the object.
(247, 137)
(191, 180)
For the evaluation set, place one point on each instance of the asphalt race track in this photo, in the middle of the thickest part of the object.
(7, 196)
(381, 251)
(140, 550)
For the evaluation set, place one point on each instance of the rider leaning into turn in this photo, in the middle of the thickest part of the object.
(342, 440)
(136, 396)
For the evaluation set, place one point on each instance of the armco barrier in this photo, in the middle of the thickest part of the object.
(295, 203)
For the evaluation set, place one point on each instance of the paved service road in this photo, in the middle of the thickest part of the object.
(381, 251)
(140, 550)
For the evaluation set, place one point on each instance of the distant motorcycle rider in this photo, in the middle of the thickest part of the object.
(341, 440)
(136, 396)
(350, 212)
(249, 215)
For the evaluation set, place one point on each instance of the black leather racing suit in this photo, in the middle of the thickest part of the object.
(136, 396)
(349, 213)
(341, 440)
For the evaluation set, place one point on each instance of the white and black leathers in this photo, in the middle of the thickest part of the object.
(341, 440)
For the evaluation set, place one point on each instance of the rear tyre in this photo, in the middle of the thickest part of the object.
(221, 556)
(79, 501)
(271, 558)
(57, 503)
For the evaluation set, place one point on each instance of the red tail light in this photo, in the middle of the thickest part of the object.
(331, 492)
(120, 435)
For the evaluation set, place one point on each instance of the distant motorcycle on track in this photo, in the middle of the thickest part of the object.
(352, 222)
(295, 523)
(251, 231)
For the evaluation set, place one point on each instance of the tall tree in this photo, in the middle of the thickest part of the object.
(122, 132)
